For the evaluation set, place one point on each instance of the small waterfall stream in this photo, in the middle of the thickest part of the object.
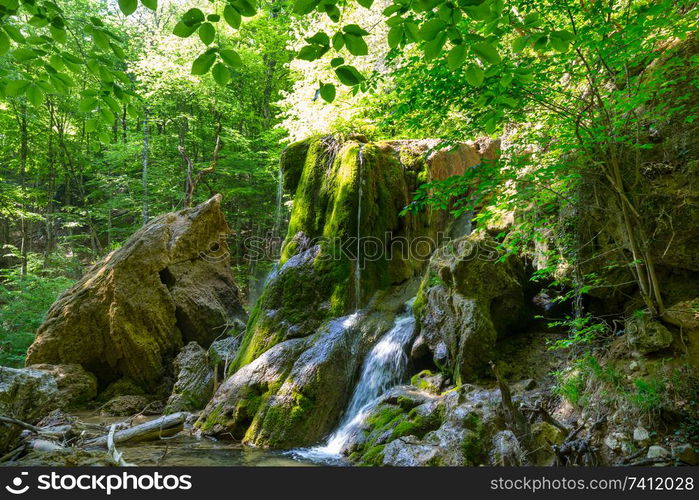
(384, 367)
(358, 266)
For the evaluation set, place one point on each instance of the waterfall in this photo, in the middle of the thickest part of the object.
(384, 367)
(358, 267)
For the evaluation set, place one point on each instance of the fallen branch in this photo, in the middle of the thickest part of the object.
(165, 426)
(19, 423)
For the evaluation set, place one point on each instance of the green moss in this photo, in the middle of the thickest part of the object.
(475, 443)
(292, 161)
(373, 456)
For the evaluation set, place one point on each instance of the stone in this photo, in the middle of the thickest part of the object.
(615, 441)
(641, 436)
(222, 351)
(194, 385)
(506, 450)
(128, 316)
(544, 437)
(657, 452)
(469, 299)
(25, 395)
(76, 387)
(686, 453)
(647, 335)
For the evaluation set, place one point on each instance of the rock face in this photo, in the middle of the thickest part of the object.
(195, 380)
(26, 395)
(75, 385)
(129, 315)
(469, 298)
(647, 335)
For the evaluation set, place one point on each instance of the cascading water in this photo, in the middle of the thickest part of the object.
(276, 227)
(384, 367)
(358, 266)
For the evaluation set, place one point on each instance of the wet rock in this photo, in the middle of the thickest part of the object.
(646, 334)
(195, 380)
(658, 452)
(469, 299)
(125, 406)
(75, 386)
(25, 395)
(686, 453)
(222, 351)
(506, 450)
(428, 381)
(122, 387)
(236, 401)
(616, 440)
(641, 436)
(130, 313)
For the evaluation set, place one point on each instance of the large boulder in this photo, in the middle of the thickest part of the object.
(169, 284)
(25, 395)
(646, 334)
(195, 380)
(470, 298)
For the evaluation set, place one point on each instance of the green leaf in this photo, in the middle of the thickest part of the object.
(319, 38)
(58, 34)
(35, 95)
(221, 74)
(532, 20)
(231, 58)
(203, 63)
(366, 3)
(430, 29)
(519, 43)
(184, 31)
(474, 75)
(193, 17)
(338, 41)
(231, 16)
(213, 18)
(456, 57)
(349, 75)
(305, 6)
(4, 43)
(150, 4)
(354, 29)
(107, 116)
(24, 54)
(356, 45)
(91, 125)
(308, 53)
(118, 51)
(559, 45)
(14, 33)
(207, 33)
(100, 40)
(395, 35)
(434, 47)
(336, 61)
(327, 92)
(128, 7)
(487, 52)
(87, 104)
(16, 88)
(412, 30)
(245, 7)
(332, 11)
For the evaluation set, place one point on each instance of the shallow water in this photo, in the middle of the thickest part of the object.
(185, 449)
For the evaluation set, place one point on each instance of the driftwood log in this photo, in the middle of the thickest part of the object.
(164, 426)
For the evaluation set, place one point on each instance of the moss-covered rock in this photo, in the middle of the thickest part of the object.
(129, 315)
(195, 380)
(470, 297)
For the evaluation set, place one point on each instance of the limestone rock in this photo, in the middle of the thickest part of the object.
(26, 395)
(657, 452)
(469, 299)
(545, 435)
(641, 436)
(75, 386)
(130, 313)
(195, 380)
(506, 450)
(647, 335)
